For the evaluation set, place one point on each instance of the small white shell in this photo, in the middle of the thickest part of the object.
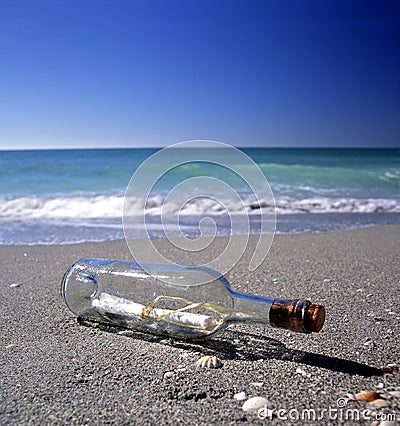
(168, 374)
(210, 361)
(396, 394)
(252, 405)
(241, 396)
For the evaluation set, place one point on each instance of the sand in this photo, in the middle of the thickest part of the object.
(55, 370)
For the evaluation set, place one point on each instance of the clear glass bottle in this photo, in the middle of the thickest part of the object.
(136, 296)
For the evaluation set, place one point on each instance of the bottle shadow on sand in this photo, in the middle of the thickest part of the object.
(251, 347)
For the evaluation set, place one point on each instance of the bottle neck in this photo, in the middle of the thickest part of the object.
(296, 315)
(249, 308)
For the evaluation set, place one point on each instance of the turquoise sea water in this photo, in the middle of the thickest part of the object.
(63, 196)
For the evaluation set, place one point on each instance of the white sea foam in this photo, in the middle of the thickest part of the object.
(62, 207)
(111, 207)
(336, 205)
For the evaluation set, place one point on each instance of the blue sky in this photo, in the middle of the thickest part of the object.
(93, 73)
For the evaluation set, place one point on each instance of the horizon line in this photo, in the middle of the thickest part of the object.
(83, 148)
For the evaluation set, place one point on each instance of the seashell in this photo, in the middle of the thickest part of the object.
(12, 345)
(380, 403)
(367, 396)
(252, 405)
(210, 361)
(390, 369)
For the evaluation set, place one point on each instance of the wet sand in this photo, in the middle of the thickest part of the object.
(55, 370)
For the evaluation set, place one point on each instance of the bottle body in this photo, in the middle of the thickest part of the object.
(127, 295)
(193, 303)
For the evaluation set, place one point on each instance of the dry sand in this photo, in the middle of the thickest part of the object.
(55, 370)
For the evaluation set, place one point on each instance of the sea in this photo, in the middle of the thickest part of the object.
(73, 196)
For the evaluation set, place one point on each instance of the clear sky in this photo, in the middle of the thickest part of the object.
(91, 73)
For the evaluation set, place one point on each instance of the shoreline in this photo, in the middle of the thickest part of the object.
(50, 232)
(58, 371)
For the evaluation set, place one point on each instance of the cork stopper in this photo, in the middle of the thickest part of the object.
(314, 318)
(300, 316)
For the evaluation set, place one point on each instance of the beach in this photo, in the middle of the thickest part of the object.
(56, 370)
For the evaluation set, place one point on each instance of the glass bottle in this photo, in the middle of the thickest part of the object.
(194, 302)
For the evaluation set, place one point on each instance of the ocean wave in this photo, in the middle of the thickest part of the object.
(336, 205)
(101, 206)
(112, 207)
(391, 177)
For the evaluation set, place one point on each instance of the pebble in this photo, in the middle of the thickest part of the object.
(252, 405)
(15, 285)
(367, 396)
(257, 384)
(241, 396)
(380, 403)
(242, 418)
(396, 394)
(302, 372)
(124, 332)
(168, 374)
